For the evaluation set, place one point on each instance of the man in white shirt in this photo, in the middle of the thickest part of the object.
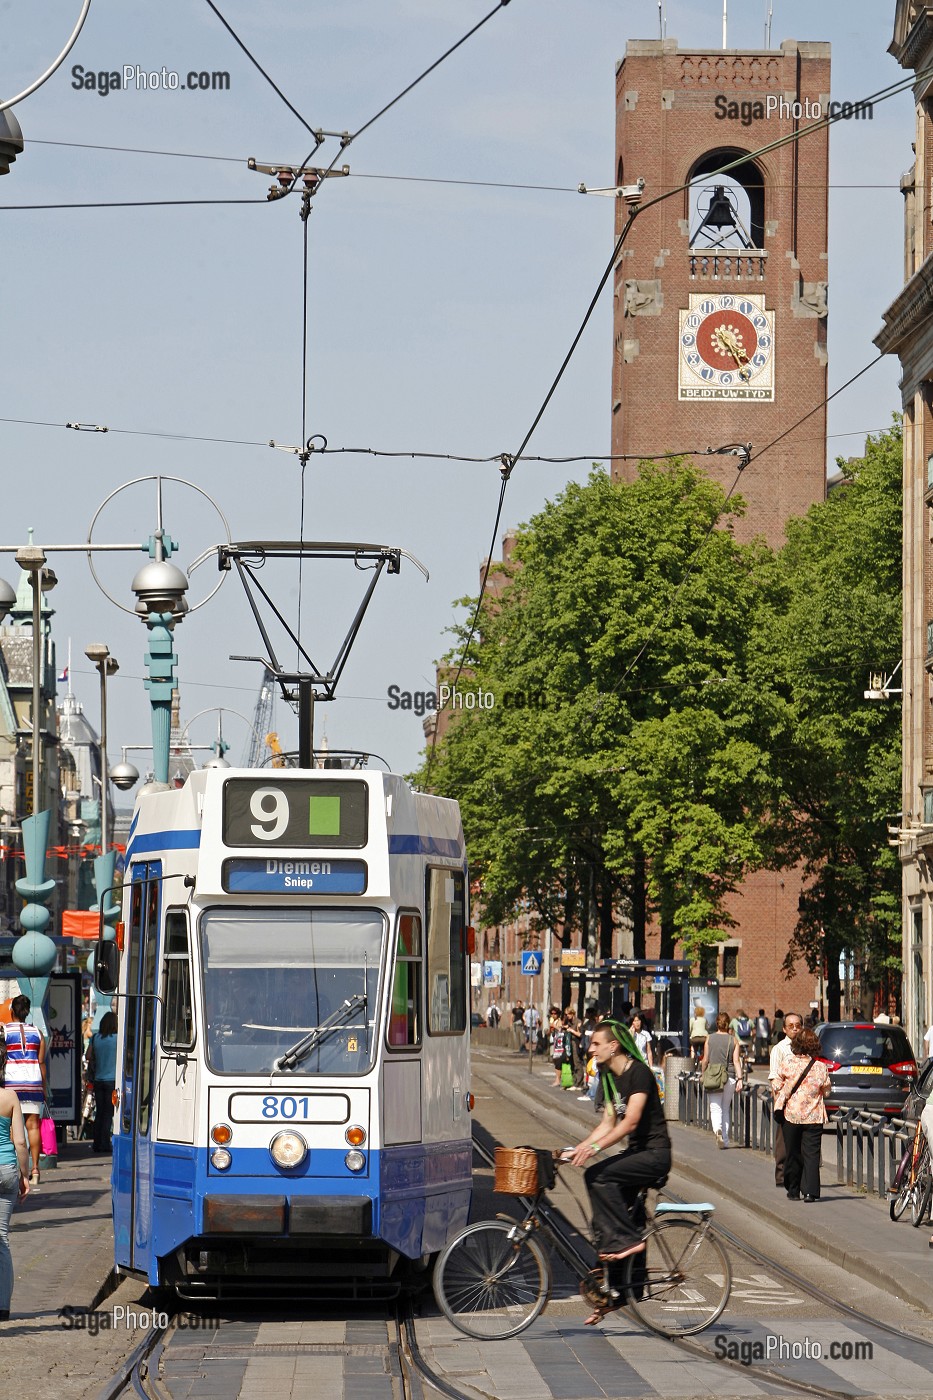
(928, 1041)
(531, 1021)
(792, 1024)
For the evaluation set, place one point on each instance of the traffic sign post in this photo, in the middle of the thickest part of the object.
(531, 967)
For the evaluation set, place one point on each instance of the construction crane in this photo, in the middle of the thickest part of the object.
(262, 721)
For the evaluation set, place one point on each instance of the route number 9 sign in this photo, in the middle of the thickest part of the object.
(297, 814)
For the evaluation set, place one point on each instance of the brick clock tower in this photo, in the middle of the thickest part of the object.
(721, 290)
(720, 337)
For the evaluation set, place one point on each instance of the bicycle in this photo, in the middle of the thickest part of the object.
(915, 1186)
(494, 1278)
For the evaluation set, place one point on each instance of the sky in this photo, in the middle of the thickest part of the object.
(438, 314)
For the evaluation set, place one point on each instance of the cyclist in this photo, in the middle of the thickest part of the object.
(632, 1110)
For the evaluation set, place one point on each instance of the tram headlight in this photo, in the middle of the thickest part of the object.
(355, 1136)
(355, 1161)
(288, 1149)
(221, 1158)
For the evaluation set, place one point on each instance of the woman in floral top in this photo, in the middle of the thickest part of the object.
(804, 1113)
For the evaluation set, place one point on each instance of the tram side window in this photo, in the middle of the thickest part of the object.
(404, 1031)
(445, 914)
(178, 1021)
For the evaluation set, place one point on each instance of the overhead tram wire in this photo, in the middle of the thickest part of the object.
(318, 135)
(793, 136)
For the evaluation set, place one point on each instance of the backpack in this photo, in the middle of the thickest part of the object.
(743, 1027)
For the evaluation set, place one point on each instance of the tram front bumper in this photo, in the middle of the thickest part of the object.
(284, 1215)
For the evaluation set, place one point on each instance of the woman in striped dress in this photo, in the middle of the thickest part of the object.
(26, 1074)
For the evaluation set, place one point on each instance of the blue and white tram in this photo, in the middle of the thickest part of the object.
(293, 1062)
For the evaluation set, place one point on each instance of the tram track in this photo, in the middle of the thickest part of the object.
(141, 1376)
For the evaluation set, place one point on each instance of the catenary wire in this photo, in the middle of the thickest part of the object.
(256, 64)
(129, 204)
(415, 453)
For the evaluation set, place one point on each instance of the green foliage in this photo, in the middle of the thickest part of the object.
(693, 709)
(836, 617)
(619, 782)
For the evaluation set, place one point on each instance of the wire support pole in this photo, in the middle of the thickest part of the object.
(305, 452)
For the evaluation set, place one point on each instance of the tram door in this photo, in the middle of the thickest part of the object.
(133, 1203)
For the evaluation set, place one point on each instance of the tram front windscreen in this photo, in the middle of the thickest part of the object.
(273, 976)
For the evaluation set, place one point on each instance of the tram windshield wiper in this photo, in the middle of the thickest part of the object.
(302, 1048)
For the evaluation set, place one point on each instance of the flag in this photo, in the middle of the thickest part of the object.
(63, 676)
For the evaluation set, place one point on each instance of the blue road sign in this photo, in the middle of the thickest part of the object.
(531, 964)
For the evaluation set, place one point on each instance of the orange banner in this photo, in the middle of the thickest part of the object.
(80, 923)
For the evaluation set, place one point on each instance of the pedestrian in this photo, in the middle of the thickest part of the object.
(26, 1074)
(518, 1012)
(14, 1164)
(573, 1039)
(102, 1072)
(722, 1075)
(792, 1024)
(803, 1083)
(531, 1021)
(762, 1035)
(642, 1038)
(492, 1016)
(777, 1028)
(557, 1045)
(698, 1031)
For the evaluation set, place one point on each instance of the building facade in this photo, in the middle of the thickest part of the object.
(908, 333)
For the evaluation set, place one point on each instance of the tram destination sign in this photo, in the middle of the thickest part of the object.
(297, 813)
(243, 875)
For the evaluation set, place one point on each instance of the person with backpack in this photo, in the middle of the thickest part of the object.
(762, 1036)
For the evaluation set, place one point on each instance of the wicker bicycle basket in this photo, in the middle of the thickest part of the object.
(516, 1171)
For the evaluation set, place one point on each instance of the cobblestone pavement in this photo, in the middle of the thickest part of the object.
(62, 1245)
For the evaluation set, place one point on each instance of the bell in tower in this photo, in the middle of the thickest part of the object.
(721, 225)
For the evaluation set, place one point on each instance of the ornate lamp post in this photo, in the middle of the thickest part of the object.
(107, 665)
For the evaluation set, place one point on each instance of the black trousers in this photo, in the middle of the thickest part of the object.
(614, 1185)
(780, 1154)
(802, 1163)
(103, 1114)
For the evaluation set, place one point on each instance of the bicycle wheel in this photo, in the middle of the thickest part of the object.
(923, 1190)
(492, 1280)
(682, 1282)
(899, 1203)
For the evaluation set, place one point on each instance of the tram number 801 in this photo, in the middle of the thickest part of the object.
(273, 1107)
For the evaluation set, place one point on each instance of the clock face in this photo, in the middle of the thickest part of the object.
(726, 349)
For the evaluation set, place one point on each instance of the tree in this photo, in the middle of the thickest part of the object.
(834, 617)
(620, 767)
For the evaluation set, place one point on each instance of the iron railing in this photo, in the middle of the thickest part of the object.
(869, 1146)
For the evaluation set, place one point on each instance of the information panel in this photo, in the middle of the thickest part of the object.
(272, 876)
(316, 812)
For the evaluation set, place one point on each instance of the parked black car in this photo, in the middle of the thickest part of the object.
(871, 1065)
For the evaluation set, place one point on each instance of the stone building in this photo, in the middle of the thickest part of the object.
(908, 333)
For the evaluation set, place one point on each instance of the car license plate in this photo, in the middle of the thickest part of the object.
(866, 1069)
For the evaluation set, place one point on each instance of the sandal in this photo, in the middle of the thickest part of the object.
(34, 1178)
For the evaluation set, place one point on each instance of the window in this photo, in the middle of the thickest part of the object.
(134, 934)
(278, 978)
(178, 1020)
(730, 964)
(404, 1029)
(447, 962)
(709, 962)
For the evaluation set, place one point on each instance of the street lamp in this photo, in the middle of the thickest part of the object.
(31, 559)
(160, 590)
(99, 654)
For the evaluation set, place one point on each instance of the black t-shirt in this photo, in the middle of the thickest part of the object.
(651, 1130)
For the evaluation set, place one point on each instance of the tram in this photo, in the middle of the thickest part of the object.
(292, 1095)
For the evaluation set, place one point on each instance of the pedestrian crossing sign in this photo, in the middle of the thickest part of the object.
(531, 964)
